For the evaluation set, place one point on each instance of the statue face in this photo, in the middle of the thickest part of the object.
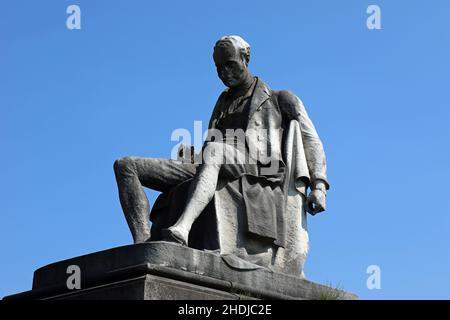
(231, 68)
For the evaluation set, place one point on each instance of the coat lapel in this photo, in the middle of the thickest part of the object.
(260, 95)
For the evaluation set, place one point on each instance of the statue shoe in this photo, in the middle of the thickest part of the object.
(173, 235)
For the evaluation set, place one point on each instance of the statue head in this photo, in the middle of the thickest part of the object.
(231, 56)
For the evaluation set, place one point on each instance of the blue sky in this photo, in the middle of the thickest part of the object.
(73, 101)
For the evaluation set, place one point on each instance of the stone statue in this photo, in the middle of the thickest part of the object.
(230, 222)
(261, 156)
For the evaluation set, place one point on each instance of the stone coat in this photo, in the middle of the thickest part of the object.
(269, 118)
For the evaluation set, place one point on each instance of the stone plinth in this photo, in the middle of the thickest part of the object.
(163, 270)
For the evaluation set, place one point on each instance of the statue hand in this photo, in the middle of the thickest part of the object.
(316, 202)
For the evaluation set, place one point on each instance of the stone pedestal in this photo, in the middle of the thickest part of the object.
(163, 270)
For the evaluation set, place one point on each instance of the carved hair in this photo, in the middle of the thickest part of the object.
(238, 43)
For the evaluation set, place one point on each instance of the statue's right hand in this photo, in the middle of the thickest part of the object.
(316, 202)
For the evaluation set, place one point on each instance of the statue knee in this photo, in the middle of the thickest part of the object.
(124, 166)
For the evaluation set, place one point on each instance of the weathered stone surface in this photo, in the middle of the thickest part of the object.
(163, 270)
(146, 287)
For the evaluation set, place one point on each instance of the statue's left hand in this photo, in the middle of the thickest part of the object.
(316, 202)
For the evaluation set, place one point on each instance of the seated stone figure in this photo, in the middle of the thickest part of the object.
(247, 198)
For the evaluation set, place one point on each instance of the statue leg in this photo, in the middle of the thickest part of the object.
(134, 173)
(201, 192)
(202, 188)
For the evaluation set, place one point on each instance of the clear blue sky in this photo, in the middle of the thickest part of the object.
(71, 102)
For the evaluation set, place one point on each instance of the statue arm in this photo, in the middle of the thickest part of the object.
(293, 108)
